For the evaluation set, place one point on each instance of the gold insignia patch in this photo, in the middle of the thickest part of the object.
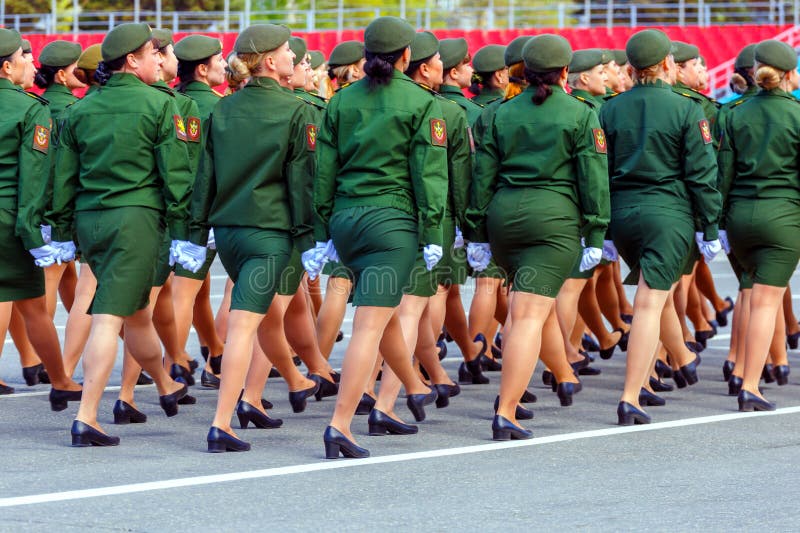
(600, 141)
(193, 129)
(311, 137)
(705, 131)
(41, 139)
(180, 129)
(438, 132)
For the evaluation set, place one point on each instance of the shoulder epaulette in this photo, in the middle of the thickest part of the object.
(342, 86)
(165, 90)
(40, 99)
(611, 96)
(585, 100)
(428, 89)
(309, 102)
(688, 93)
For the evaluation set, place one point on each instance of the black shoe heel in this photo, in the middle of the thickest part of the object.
(416, 404)
(209, 380)
(607, 353)
(215, 361)
(520, 412)
(31, 374)
(443, 394)
(727, 369)
(299, 398)
(766, 374)
(442, 349)
(647, 398)
(365, 405)
(169, 402)
(475, 370)
(663, 370)
(125, 413)
(84, 435)
(659, 386)
(528, 397)
(336, 443)
(489, 365)
(734, 386)
(59, 398)
(504, 429)
(781, 373)
(749, 402)
(219, 441)
(628, 415)
(565, 391)
(326, 389)
(380, 424)
(144, 379)
(689, 373)
(176, 371)
(246, 413)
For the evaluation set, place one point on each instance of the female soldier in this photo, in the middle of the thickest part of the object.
(25, 145)
(381, 161)
(490, 78)
(541, 237)
(763, 201)
(661, 160)
(254, 231)
(118, 185)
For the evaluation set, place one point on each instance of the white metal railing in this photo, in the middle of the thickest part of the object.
(486, 14)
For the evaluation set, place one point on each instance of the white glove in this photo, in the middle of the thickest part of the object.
(212, 243)
(47, 233)
(330, 252)
(710, 249)
(610, 252)
(189, 255)
(723, 240)
(314, 259)
(66, 250)
(45, 256)
(432, 253)
(478, 255)
(459, 242)
(591, 258)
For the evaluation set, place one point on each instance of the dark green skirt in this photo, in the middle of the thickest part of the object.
(163, 268)
(452, 269)
(122, 247)
(200, 274)
(20, 278)
(292, 275)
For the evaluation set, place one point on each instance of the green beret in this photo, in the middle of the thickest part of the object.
(388, 34)
(453, 52)
(124, 39)
(608, 56)
(317, 58)
(490, 58)
(10, 42)
(776, 54)
(299, 47)
(26, 47)
(60, 54)
(90, 58)
(424, 45)
(583, 60)
(197, 47)
(164, 37)
(513, 53)
(547, 52)
(260, 38)
(346, 53)
(747, 57)
(620, 58)
(647, 48)
(682, 52)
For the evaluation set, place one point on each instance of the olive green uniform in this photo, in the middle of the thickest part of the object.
(473, 109)
(122, 178)
(759, 176)
(258, 201)
(381, 186)
(59, 98)
(662, 169)
(488, 96)
(540, 182)
(25, 152)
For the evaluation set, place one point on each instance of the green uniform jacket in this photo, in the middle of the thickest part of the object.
(205, 97)
(758, 157)
(719, 125)
(488, 96)
(122, 147)
(24, 159)
(314, 99)
(665, 161)
(191, 123)
(710, 107)
(594, 102)
(459, 158)
(59, 98)
(553, 146)
(258, 165)
(453, 93)
(377, 148)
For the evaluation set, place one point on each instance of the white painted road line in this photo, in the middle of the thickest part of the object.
(350, 463)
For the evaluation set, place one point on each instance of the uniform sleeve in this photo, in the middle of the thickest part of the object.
(700, 172)
(65, 184)
(459, 161)
(34, 174)
(194, 145)
(726, 163)
(204, 190)
(592, 173)
(428, 168)
(172, 162)
(327, 167)
(300, 176)
(484, 181)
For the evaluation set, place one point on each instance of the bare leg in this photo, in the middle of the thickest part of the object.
(221, 320)
(331, 313)
(788, 313)
(625, 306)
(79, 322)
(607, 296)
(16, 327)
(765, 303)
(743, 309)
(66, 289)
(705, 284)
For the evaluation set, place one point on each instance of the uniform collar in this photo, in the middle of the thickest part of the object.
(450, 89)
(58, 88)
(197, 86)
(6, 84)
(655, 84)
(264, 82)
(775, 92)
(123, 78)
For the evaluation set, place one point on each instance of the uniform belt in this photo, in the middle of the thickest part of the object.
(399, 201)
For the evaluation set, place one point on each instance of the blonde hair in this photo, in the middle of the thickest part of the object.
(573, 78)
(344, 73)
(517, 70)
(647, 75)
(245, 65)
(768, 77)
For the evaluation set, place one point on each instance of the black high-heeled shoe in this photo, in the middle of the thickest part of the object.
(416, 403)
(623, 341)
(144, 379)
(299, 398)
(504, 429)
(380, 424)
(659, 386)
(703, 336)
(326, 389)
(5, 389)
(648, 399)
(187, 400)
(528, 397)
(481, 339)
(442, 349)
(735, 386)
(472, 372)
(750, 402)
(781, 373)
(169, 402)
(626, 318)
(209, 380)
(246, 413)
(793, 339)
(340, 336)
(44, 377)
(273, 373)
(565, 391)
(589, 344)
(215, 361)
(489, 365)
(365, 405)
(266, 404)
(663, 369)
(204, 352)
(578, 365)
(220, 441)
(689, 372)
(727, 369)
(547, 378)
(766, 374)
(520, 413)
(607, 353)
(176, 371)
(193, 365)
(628, 415)
(84, 435)
(31, 374)
(337, 377)
(696, 347)
(722, 316)
(444, 392)
(125, 413)
(336, 442)
(59, 398)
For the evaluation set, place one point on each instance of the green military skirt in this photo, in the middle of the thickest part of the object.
(254, 259)
(691, 259)
(163, 268)
(292, 275)
(122, 247)
(763, 235)
(20, 278)
(653, 241)
(379, 245)
(335, 269)
(452, 269)
(200, 274)
(535, 236)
